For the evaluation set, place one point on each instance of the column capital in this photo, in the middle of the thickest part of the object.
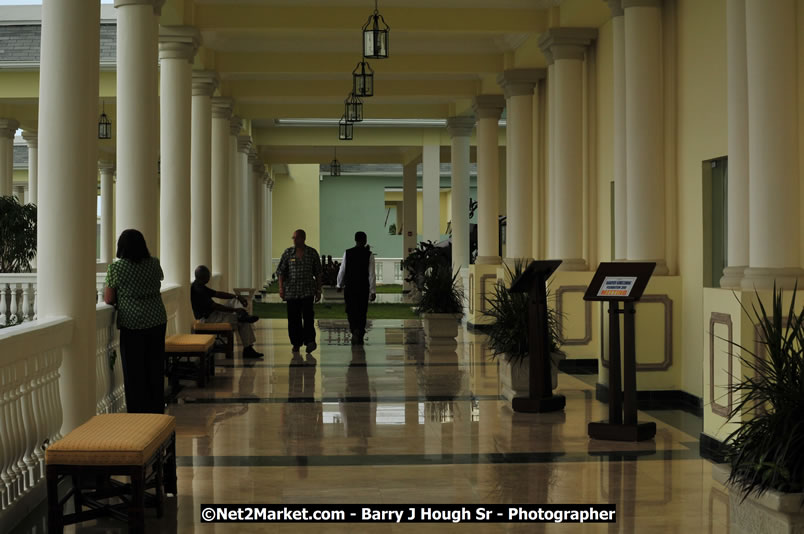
(222, 108)
(8, 127)
(616, 7)
(519, 82)
(257, 166)
(252, 155)
(235, 123)
(156, 4)
(106, 167)
(460, 126)
(641, 3)
(488, 106)
(204, 82)
(179, 42)
(269, 182)
(244, 144)
(31, 137)
(567, 43)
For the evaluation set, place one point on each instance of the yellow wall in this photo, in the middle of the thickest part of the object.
(605, 139)
(295, 205)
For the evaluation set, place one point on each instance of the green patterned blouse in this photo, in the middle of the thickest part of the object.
(139, 302)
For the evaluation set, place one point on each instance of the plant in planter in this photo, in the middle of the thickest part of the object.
(440, 304)
(508, 335)
(426, 255)
(17, 235)
(766, 451)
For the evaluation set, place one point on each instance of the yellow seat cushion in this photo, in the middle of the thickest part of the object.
(189, 343)
(212, 327)
(113, 439)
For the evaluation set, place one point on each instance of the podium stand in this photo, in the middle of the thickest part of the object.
(533, 281)
(615, 283)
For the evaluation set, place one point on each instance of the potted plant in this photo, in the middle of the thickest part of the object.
(508, 332)
(329, 279)
(766, 450)
(440, 305)
(426, 254)
(17, 235)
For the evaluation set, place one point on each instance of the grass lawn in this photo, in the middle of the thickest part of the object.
(276, 310)
(383, 288)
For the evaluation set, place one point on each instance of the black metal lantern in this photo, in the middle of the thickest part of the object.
(335, 165)
(104, 125)
(353, 108)
(375, 37)
(345, 129)
(363, 80)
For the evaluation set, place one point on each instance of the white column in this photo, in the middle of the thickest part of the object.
(431, 189)
(737, 195)
(255, 221)
(19, 192)
(619, 141)
(488, 109)
(8, 128)
(550, 88)
(137, 156)
(33, 164)
(234, 201)
(410, 231)
(518, 87)
(221, 185)
(246, 187)
(460, 131)
(773, 170)
(267, 225)
(644, 127)
(567, 47)
(68, 100)
(204, 84)
(107, 239)
(177, 47)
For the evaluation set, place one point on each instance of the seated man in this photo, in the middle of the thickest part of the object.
(208, 311)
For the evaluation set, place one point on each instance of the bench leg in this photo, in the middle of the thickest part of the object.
(54, 511)
(170, 467)
(78, 497)
(136, 510)
(160, 488)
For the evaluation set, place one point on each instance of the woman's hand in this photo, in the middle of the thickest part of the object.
(110, 296)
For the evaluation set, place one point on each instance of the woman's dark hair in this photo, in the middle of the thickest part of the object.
(131, 246)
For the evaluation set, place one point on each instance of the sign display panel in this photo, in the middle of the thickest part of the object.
(616, 286)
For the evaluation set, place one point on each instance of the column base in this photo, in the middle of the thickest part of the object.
(661, 265)
(574, 264)
(760, 278)
(488, 260)
(732, 277)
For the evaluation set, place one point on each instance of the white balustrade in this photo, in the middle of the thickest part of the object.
(388, 270)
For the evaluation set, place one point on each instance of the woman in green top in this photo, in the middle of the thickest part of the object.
(133, 285)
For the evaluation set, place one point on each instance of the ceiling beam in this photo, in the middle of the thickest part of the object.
(260, 89)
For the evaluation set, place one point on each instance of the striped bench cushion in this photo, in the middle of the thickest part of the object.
(212, 327)
(189, 343)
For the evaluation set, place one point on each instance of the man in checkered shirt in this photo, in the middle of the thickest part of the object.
(300, 282)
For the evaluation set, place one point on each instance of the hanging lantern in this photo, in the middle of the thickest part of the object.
(363, 80)
(353, 108)
(335, 165)
(375, 37)
(104, 125)
(345, 129)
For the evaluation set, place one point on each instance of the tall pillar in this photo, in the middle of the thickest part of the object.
(488, 109)
(234, 200)
(550, 88)
(518, 85)
(258, 172)
(567, 47)
(33, 164)
(177, 48)
(8, 127)
(267, 232)
(221, 185)
(204, 84)
(773, 185)
(737, 195)
(19, 192)
(644, 128)
(107, 239)
(246, 190)
(431, 189)
(460, 131)
(68, 100)
(619, 141)
(137, 105)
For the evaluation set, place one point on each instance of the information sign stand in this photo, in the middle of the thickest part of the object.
(615, 283)
(534, 282)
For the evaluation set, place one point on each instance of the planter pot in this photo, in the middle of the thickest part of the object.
(330, 294)
(515, 378)
(441, 329)
(771, 513)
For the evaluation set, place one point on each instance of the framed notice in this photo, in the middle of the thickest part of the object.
(620, 281)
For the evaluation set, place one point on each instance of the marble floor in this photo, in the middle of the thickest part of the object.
(392, 423)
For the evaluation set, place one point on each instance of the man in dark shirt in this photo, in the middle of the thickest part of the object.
(357, 274)
(299, 272)
(207, 310)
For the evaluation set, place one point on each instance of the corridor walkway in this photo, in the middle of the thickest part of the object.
(395, 424)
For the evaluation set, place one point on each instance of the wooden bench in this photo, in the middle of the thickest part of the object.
(121, 444)
(181, 351)
(222, 330)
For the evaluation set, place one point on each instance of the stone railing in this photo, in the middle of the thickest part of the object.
(388, 270)
(18, 297)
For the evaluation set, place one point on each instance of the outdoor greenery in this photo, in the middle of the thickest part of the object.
(508, 329)
(440, 292)
(766, 451)
(17, 235)
(278, 310)
(329, 270)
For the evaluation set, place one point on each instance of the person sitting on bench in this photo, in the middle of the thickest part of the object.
(207, 310)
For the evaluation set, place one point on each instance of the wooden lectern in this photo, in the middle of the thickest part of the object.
(615, 283)
(533, 281)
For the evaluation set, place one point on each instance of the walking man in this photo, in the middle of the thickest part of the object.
(300, 282)
(357, 275)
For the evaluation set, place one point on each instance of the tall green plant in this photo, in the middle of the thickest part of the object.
(426, 255)
(440, 292)
(17, 235)
(766, 451)
(508, 329)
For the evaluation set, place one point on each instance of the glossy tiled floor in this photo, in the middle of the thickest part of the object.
(391, 423)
